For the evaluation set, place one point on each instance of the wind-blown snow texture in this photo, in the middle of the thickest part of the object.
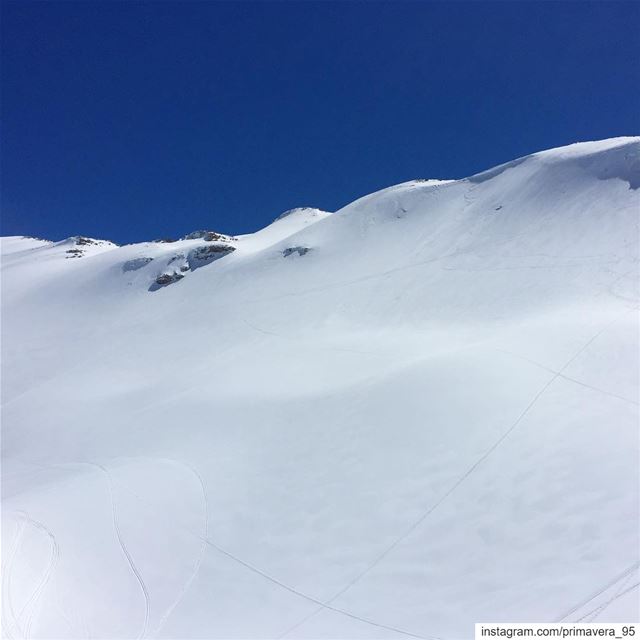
(395, 420)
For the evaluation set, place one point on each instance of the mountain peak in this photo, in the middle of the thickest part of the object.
(306, 211)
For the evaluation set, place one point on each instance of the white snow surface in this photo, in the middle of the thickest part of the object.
(424, 415)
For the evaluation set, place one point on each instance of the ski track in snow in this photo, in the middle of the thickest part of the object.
(6, 580)
(464, 477)
(37, 595)
(594, 613)
(203, 547)
(199, 560)
(125, 551)
(568, 378)
(597, 612)
(322, 605)
(583, 603)
(30, 606)
(209, 542)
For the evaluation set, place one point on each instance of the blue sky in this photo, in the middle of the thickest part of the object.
(137, 120)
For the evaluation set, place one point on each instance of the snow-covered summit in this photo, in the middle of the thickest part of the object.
(390, 421)
(615, 158)
(301, 211)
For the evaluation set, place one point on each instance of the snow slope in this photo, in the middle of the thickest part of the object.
(413, 414)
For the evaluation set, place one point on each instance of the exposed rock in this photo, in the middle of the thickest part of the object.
(81, 241)
(135, 264)
(165, 240)
(165, 279)
(207, 236)
(201, 256)
(180, 257)
(168, 278)
(299, 250)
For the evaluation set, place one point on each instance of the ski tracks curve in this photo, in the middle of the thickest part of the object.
(30, 607)
(125, 550)
(6, 581)
(203, 546)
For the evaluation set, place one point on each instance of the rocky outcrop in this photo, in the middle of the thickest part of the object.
(182, 263)
(135, 264)
(81, 240)
(165, 279)
(207, 236)
(80, 244)
(202, 256)
(299, 250)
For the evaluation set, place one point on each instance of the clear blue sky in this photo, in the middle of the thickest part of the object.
(137, 120)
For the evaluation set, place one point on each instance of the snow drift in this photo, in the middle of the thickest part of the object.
(395, 420)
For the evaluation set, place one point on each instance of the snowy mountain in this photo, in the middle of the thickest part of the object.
(395, 420)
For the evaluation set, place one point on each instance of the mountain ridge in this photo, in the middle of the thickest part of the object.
(576, 149)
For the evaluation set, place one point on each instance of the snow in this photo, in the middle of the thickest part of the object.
(428, 419)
